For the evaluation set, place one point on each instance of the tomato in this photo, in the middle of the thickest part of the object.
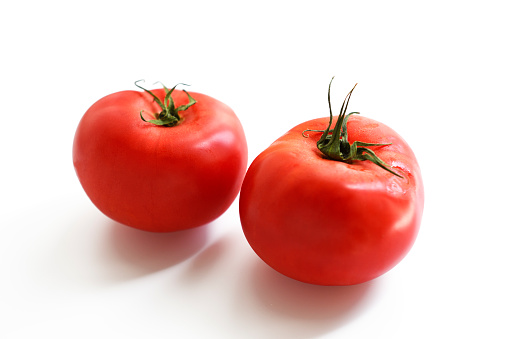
(331, 222)
(161, 160)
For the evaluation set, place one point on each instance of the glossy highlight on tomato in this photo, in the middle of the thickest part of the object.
(160, 178)
(329, 222)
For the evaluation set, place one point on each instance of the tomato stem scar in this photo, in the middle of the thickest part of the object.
(169, 115)
(334, 142)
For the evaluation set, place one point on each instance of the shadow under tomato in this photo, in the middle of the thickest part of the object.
(208, 261)
(293, 309)
(142, 252)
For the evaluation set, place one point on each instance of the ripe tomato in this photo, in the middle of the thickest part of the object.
(160, 178)
(329, 222)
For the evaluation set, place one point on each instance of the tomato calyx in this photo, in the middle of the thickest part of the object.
(334, 142)
(169, 116)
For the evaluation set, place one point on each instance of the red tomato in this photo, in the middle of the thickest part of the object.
(160, 178)
(329, 222)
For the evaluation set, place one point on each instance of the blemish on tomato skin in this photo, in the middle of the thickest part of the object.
(401, 167)
(394, 187)
(400, 185)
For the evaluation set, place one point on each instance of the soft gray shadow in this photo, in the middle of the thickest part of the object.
(93, 251)
(205, 263)
(292, 309)
(139, 253)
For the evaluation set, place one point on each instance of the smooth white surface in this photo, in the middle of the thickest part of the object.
(435, 71)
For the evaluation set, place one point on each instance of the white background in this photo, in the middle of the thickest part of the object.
(435, 71)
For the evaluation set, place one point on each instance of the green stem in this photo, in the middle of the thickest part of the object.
(169, 116)
(336, 146)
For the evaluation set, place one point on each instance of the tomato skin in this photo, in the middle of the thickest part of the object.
(327, 222)
(159, 178)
